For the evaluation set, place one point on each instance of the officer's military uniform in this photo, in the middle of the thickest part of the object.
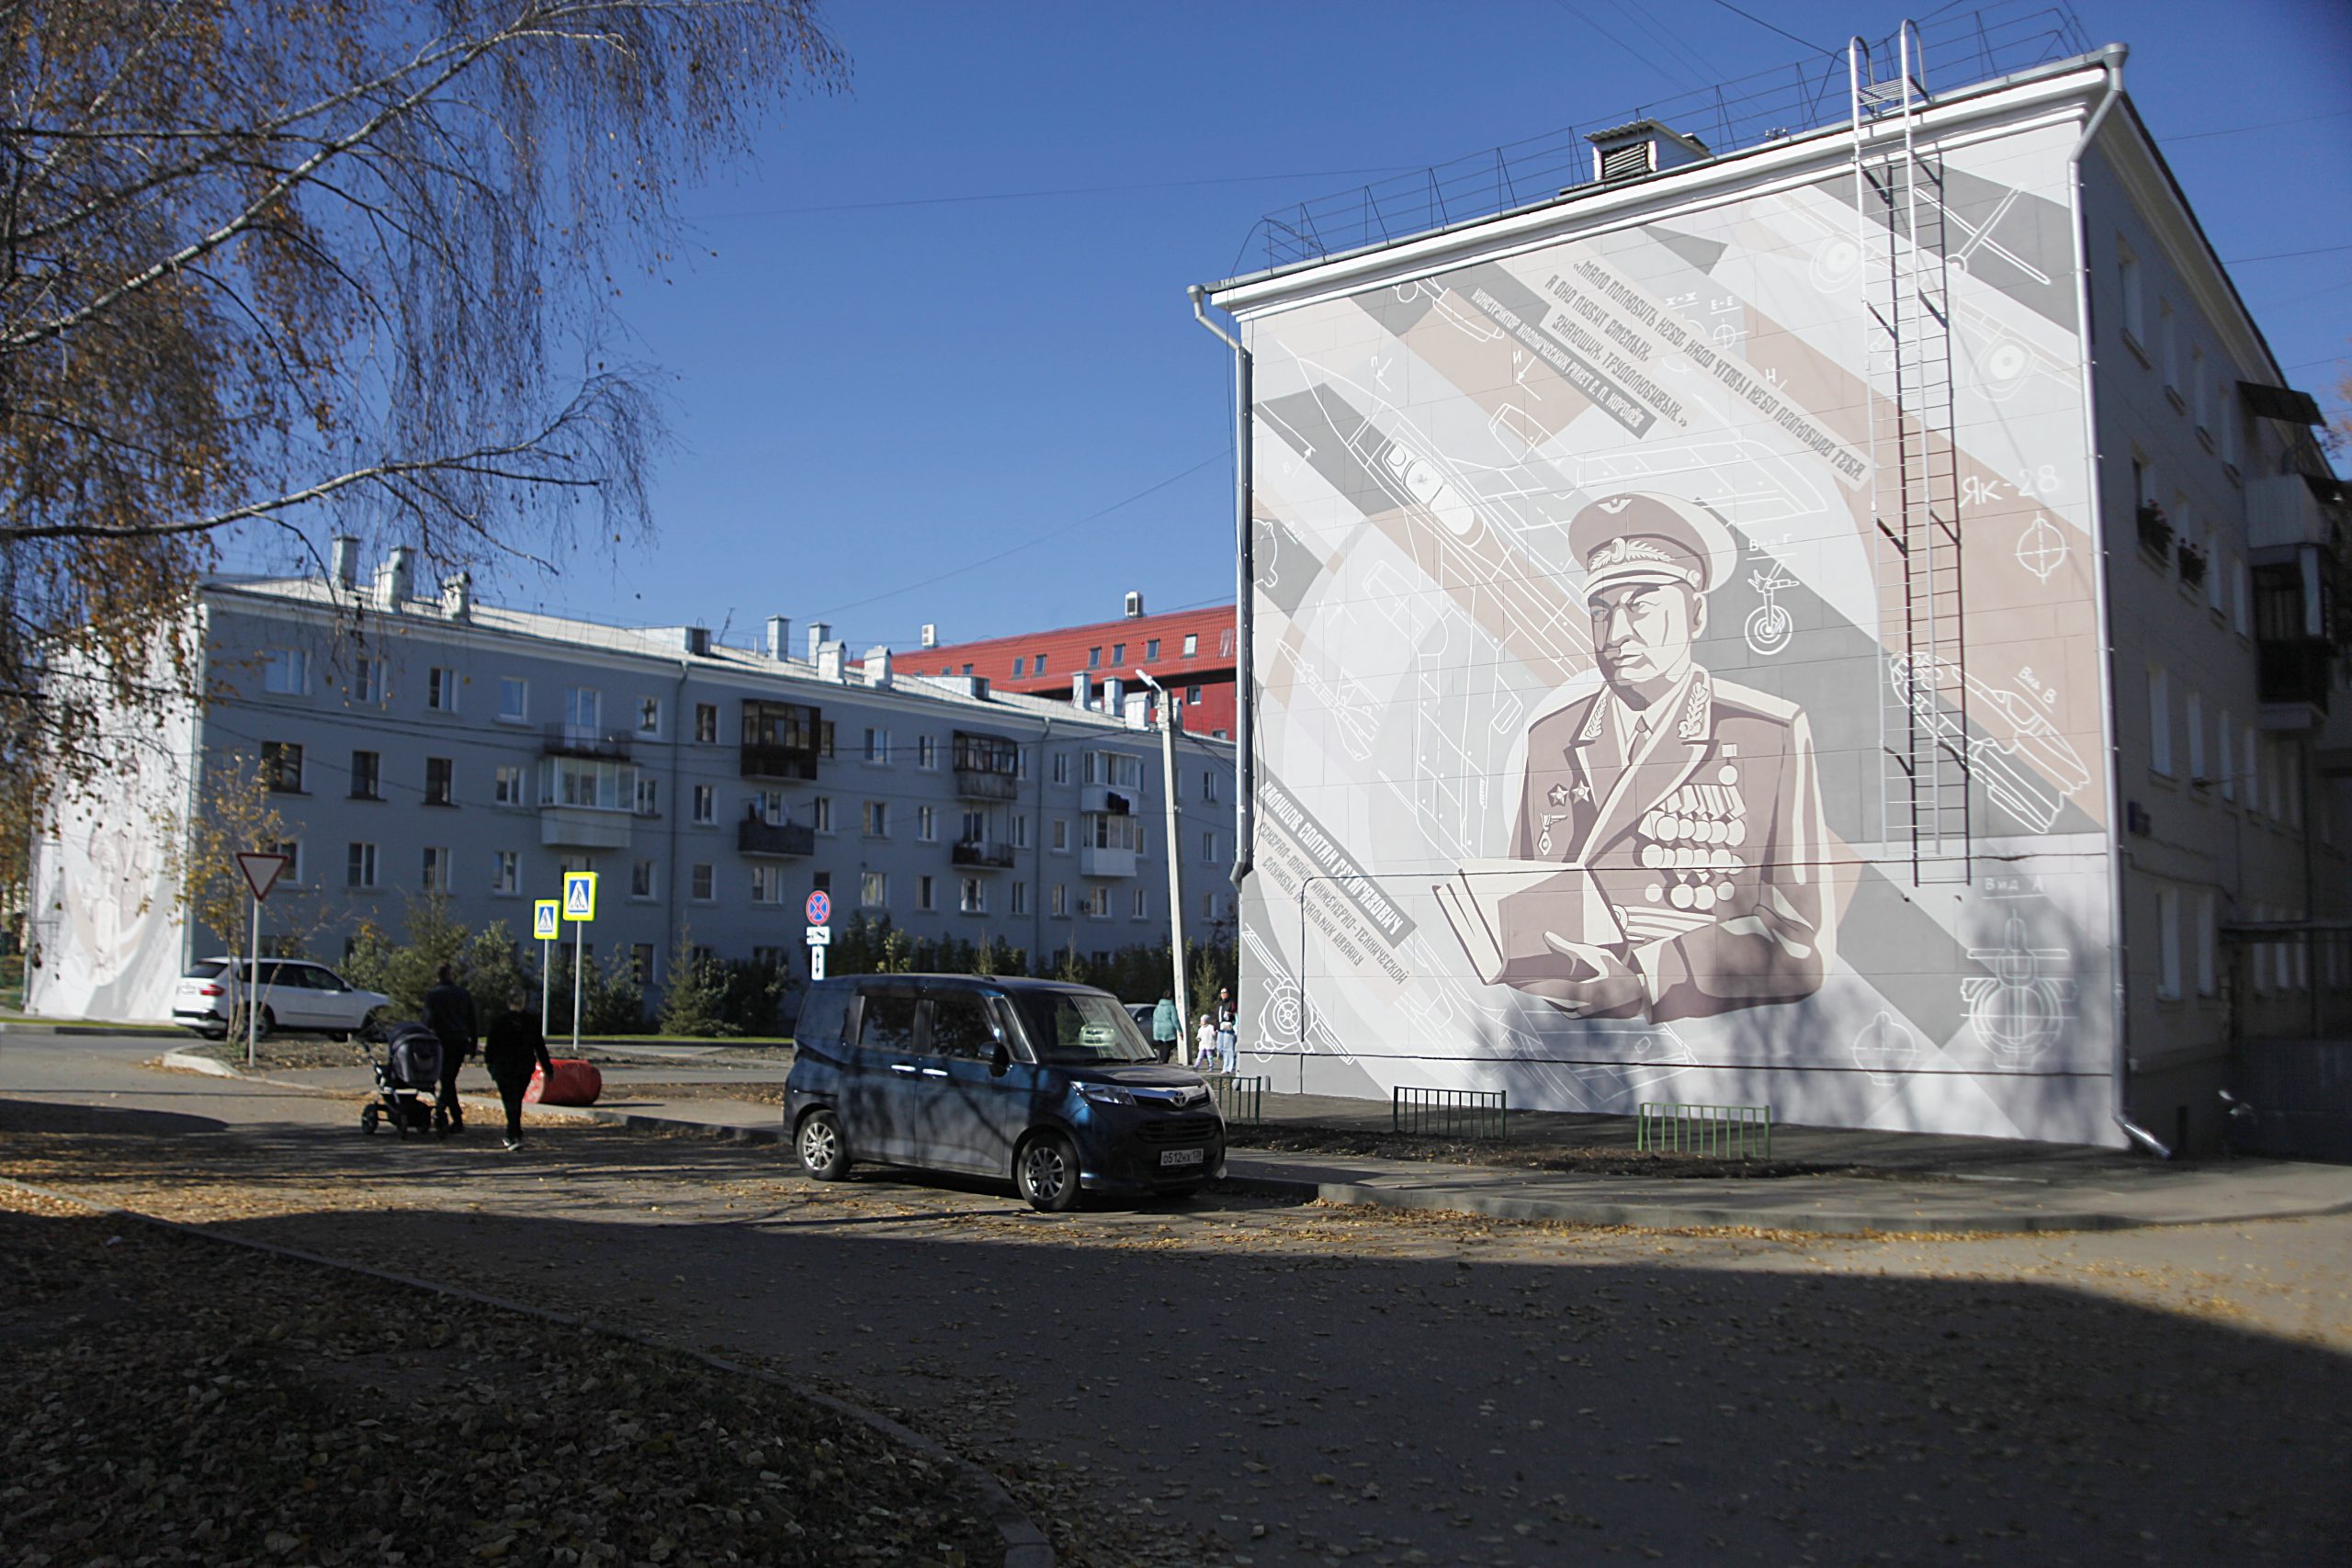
(1698, 821)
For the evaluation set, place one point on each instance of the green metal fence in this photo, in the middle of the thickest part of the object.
(1726, 1131)
(1448, 1112)
(1237, 1098)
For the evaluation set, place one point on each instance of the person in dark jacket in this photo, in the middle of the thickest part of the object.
(449, 1013)
(514, 1047)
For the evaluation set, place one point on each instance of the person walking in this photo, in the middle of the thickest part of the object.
(1204, 1046)
(449, 1013)
(1165, 1027)
(1227, 1036)
(514, 1047)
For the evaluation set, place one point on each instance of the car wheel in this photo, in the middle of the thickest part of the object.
(371, 1027)
(368, 1118)
(1045, 1169)
(237, 1025)
(824, 1152)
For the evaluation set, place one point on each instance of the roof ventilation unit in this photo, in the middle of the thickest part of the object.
(1642, 147)
(931, 634)
(1135, 603)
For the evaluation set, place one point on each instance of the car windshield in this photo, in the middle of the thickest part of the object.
(1078, 1029)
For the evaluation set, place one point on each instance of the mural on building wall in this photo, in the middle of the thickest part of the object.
(1656, 705)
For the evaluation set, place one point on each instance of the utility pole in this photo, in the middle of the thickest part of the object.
(1175, 860)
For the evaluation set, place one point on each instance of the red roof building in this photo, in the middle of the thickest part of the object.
(1191, 652)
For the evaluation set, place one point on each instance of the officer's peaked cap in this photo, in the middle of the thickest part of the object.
(1641, 537)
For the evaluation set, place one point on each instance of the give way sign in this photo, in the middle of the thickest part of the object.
(262, 871)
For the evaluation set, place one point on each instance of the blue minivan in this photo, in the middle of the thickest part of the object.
(1049, 1084)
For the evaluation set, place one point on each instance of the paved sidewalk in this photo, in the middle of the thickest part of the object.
(1893, 1182)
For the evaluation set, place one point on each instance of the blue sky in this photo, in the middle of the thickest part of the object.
(887, 364)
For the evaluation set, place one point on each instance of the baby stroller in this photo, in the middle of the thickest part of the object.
(408, 1076)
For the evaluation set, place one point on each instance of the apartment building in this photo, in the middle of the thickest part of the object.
(1834, 609)
(1190, 652)
(429, 743)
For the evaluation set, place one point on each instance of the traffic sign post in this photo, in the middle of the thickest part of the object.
(261, 870)
(546, 924)
(819, 908)
(580, 909)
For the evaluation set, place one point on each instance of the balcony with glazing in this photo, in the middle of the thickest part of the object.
(987, 767)
(781, 741)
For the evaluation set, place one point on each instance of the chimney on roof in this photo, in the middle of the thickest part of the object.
(830, 657)
(343, 562)
(1642, 147)
(1137, 710)
(396, 579)
(819, 634)
(458, 595)
(779, 637)
(697, 641)
(1115, 694)
(931, 634)
(1081, 690)
(1135, 603)
(877, 665)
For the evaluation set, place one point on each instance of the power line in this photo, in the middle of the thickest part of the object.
(1032, 542)
(2242, 129)
(2282, 256)
(1043, 192)
(1760, 22)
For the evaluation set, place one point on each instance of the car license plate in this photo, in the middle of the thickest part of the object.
(1183, 1156)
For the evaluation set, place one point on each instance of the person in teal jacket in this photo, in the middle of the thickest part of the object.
(1166, 1028)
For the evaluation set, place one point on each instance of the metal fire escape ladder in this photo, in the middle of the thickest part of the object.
(1914, 480)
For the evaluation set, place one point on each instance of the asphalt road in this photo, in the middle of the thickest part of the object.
(1234, 1380)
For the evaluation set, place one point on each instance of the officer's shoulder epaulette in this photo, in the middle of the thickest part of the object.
(1751, 703)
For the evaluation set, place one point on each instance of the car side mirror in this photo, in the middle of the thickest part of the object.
(1001, 1062)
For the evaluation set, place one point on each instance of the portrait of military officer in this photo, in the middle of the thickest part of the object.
(1684, 810)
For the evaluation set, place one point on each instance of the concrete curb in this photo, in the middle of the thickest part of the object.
(114, 1030)
(1639, 1213)
(1025, 1545)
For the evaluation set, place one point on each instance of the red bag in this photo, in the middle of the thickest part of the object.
(575, 1083)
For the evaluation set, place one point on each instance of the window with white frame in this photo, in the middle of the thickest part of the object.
(767, 885)
(2168, 345)
(923, 893)
(440, 781)
(972, 895)
(926, 824)
(2159, 721)
(877, 746)
(1208, 844)
(705, 799)
(368, 679)
(873, 889)
(820, 813)
(926, 753)
(2252, 762)
(1141, 904)
(1208, 787)
(706, 723)
(2197, 397)
(1019, 897)
(292, 849)
(2207, 940)
(2193, 717)
(583, 781)
(2212, 568)
(285, 671)
(359, 866)
(876, 820)
(2168, 945)
(768, 806)
(1060, 839)
(1061, 767)
(281, 767)
(2229, 768)
(648, 795)
(583, 708)
(2241, 597)
(648, 716)
(1098, 902)
(1021, 831)
(1208, 906)
(441, 689)
(640, 879)
(367, 775)
(702, 882)
(434, 877)
(1191, 644)
(506, 784)
(507, 872)
(1057, 905)
(514, 700)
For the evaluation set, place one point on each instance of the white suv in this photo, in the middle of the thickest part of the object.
(295, 995)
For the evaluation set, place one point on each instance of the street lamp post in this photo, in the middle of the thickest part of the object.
(1175, 860)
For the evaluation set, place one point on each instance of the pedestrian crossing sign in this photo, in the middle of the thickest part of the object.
(579, 895)
(546, 918)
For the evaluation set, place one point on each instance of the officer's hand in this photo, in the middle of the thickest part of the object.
(1610, 989)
